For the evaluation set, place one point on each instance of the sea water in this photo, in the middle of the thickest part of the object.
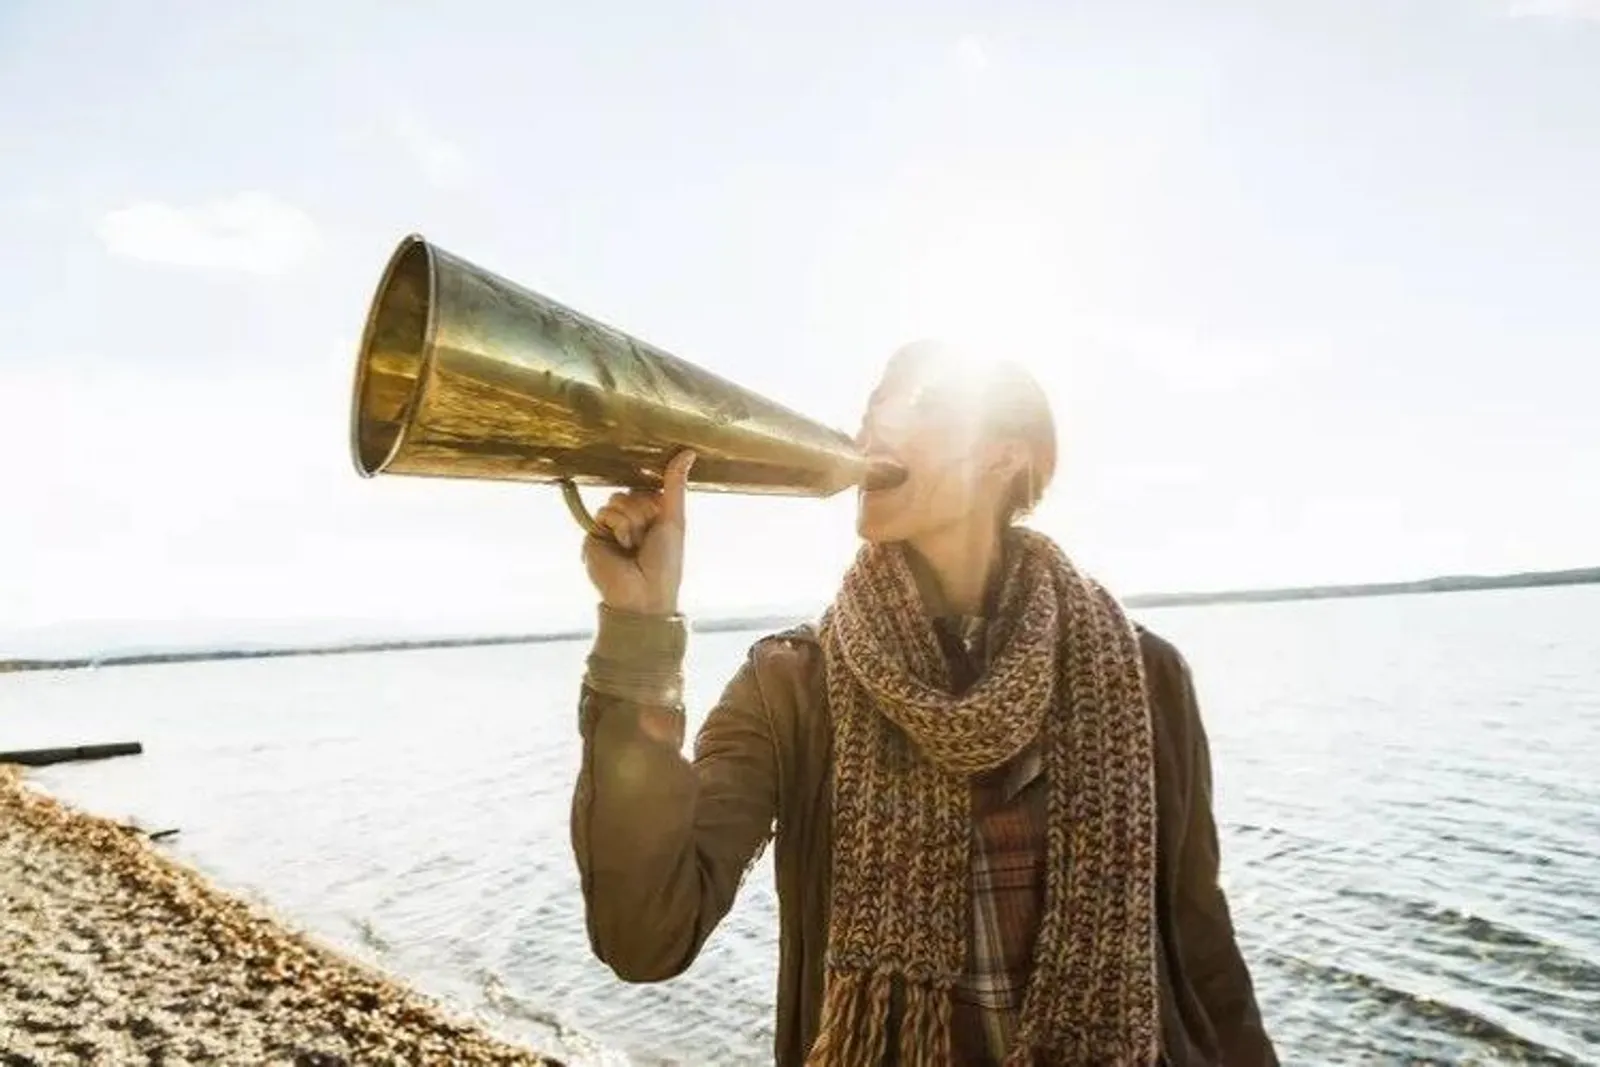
(1407, 788)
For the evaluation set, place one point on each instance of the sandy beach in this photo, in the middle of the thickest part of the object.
(112, 953)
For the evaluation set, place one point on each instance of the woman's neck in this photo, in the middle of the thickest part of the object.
(956, 566)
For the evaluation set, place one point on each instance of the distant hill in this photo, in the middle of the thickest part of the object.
(777, 619)
(1448, 584)
(130, 657)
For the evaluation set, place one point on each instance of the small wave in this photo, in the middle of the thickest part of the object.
(580, 1050)
(1462, 933)
(369, 936)
(1455, 1020)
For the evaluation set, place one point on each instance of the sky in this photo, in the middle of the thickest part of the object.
(1312, 286)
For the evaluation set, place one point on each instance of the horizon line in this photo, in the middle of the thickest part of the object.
(734, 623)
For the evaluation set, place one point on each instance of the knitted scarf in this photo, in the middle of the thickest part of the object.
(1066, 669)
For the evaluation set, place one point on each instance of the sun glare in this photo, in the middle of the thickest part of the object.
(984, 285)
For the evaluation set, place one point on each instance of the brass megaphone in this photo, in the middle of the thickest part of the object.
(463, 374)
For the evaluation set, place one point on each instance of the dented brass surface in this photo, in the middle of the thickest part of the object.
(463, 374)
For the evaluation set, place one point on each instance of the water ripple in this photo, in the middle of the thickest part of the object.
(1405, 790)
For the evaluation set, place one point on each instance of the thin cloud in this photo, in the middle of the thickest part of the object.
(251, 232)
(972, 58)
(29, 206)
(1576, 10)
(1193, 361)
(441, 160)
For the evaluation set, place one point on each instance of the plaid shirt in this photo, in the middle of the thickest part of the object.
(1008, 856)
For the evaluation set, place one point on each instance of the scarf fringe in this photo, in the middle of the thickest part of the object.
(1021, 1056)
(925, 1031)
(855, 1019)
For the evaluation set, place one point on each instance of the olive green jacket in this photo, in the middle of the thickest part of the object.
(662, 841)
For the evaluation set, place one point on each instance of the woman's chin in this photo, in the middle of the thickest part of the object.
(876, 524)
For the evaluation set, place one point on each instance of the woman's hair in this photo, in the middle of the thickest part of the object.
(1017, 407)
(1008, 404)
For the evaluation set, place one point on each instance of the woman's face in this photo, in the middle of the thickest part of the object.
(928, 416)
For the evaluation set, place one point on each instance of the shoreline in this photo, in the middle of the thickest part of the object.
(115, 952)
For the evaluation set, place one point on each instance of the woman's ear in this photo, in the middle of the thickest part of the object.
(1009, 460)
(1012, 469)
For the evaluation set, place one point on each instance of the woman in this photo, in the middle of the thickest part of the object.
(989, 791)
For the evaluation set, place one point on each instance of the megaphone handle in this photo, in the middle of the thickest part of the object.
(580, 513)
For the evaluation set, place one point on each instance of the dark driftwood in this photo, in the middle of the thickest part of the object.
(43, 757)
(153, 835)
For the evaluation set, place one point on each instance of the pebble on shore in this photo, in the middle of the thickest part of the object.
(111, 952)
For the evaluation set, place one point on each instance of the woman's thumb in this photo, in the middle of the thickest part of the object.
(675, 487)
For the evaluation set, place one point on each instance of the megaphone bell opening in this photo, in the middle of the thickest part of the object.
(394, 354)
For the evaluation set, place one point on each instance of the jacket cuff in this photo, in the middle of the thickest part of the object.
(638, 657)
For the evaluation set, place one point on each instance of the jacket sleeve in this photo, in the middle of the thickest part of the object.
(1210, 949)
(662, 842)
